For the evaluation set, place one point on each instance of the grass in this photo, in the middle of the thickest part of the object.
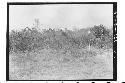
(60, 54)
(49, 66)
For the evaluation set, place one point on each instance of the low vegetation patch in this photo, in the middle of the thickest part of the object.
(59, 54)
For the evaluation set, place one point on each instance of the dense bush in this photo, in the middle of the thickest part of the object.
(30, 39)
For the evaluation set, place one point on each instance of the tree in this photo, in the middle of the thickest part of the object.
(99, 31)
(102, 35)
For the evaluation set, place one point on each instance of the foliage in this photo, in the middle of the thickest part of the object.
(31, 39)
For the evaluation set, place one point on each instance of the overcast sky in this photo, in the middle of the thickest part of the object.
(82, 15)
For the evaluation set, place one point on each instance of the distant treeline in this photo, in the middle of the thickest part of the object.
(32, 39)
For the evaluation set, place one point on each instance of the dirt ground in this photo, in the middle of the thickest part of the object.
(52, 65)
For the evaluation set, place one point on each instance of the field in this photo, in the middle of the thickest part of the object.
(52, 65)
(61, 54)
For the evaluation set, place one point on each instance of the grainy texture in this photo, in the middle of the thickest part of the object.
(45, 65)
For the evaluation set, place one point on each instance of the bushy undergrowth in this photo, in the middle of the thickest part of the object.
(32, 39)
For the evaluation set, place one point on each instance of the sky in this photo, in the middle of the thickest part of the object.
(61, 15)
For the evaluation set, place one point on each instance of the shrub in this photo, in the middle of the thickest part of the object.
(30, 39)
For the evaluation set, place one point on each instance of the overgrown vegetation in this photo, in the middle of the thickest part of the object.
(32, 39)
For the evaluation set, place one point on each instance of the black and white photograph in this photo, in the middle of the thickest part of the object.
(61, 41)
